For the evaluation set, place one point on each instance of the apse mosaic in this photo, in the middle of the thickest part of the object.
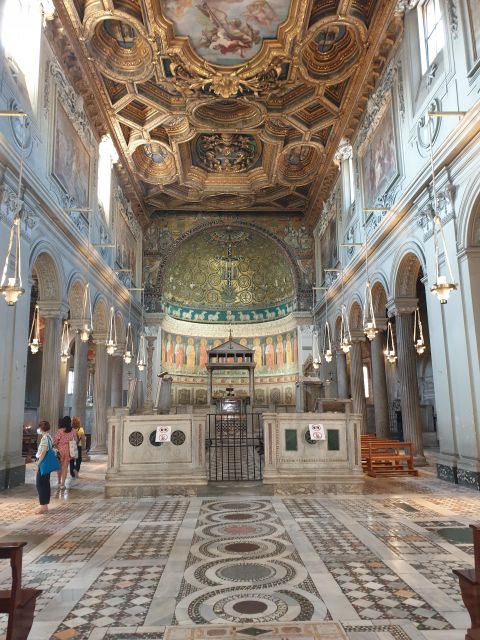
(228, 274)
(188, 354)
(226, 32)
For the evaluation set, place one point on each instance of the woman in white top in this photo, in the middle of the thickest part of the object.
(43, 482)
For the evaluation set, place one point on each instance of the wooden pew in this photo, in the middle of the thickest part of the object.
(17, 602)
(390, 458)
(469, 580)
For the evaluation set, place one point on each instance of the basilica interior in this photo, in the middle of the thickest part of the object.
(240, 243)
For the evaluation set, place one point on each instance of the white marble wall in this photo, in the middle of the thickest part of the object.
(407, 229)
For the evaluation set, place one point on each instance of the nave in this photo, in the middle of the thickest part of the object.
(375, 566)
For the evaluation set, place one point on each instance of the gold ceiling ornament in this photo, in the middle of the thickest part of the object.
(151, 64)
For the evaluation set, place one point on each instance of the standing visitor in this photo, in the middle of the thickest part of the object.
(43, 480)
(63, 437)
(79, 432)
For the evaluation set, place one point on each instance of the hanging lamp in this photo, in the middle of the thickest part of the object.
(87, 316)
(389, 351)
(327, 341)
(442, 286)
(345, 335)
(111, 341)
(34, 338)
(128, 354)
(316, 358)
(142, 350)
(369, 325)
(11, 283)
(65, 342)
(419, 342)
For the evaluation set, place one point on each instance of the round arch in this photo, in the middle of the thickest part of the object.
(469, 215)
(379, 295)
(75, 295)
(355, 315)
(49, 274)
(100, 315)
(172, 249)
(406, 267)
(120, 327)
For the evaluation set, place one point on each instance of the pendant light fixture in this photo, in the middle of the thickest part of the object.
(87, 316)
(419, 342)
(327, 341)
(11, 282)
(369, 325)
(34, 338)
(345, 335)
(111, 341)
(389, 351)
(442, 286)
(65, 343)
(128, 354)
(316, 358)
(142, 350)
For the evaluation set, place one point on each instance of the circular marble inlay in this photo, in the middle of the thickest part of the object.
(242, 547)
(135, 438)
(237, 516)
(177, 437)
(237, 506)
(153, 440)
(249, 606)
(245, 572)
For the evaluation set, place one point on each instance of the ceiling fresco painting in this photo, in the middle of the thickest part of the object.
(226, 32)
(226, 105)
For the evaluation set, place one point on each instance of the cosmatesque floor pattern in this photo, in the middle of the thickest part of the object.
(376, 566)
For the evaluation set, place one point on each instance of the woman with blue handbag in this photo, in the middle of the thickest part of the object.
(46, 463)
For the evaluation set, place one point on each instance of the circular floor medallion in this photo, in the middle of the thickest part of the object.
(237, 516)
(246, 572)
(250, 606)
(242, 547)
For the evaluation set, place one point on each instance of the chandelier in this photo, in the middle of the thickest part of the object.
(142, 351)
(111, 341)
(11, 282)
(65, 342)
(390, 352)
(419, 342)
(327, 341)
(128, 354)
(442, 286)
(87, 318)
(369, 325)
(316, 358)
(34, 338)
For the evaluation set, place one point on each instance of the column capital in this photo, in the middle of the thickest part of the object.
(53, 309)
(150, 340)
(401, 306)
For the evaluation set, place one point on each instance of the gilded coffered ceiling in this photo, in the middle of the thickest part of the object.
(228, 104)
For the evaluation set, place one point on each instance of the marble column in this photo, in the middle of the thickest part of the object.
(407, 370)
(359, 404)
(80, 362)
(148, 403)
(100, 398)
(342, 378)
(50, 383)
(116, 365)
(379, 384)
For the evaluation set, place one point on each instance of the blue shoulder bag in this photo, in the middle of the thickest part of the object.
(49, 462)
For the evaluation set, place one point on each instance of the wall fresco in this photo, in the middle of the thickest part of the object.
(274, 355)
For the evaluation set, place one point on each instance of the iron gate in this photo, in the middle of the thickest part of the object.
(235, 446)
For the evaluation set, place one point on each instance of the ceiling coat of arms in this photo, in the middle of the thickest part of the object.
(226, 152)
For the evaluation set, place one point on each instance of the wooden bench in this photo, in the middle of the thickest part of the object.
(368, 439)
(17, 602)
(469, 580)
(389, 458)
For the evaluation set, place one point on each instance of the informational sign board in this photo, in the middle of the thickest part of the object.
(163, 434)
(317, 431)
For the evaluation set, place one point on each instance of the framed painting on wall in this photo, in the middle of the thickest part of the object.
(474, 20)
(329, 246)
(126, 252)
(71, 160)
(379, 158)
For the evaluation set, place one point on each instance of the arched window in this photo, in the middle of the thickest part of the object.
(107, 156)
(20, 33)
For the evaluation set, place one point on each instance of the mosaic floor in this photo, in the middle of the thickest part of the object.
(377, 566)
